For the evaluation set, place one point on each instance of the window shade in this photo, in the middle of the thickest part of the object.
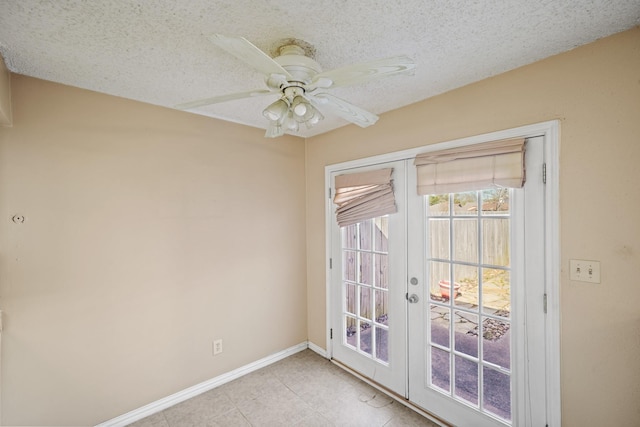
(473, 167)
(364, 195)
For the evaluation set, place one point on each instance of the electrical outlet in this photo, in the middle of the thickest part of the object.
(582, 270)
(217, 347)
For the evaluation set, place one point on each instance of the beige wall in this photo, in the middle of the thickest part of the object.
(149, 232)
(595, 92)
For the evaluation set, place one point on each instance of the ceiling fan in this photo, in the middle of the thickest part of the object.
(299, 81)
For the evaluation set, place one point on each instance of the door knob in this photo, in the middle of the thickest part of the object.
(413, 298)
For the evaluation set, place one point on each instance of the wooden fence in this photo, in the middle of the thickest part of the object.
(373, 266)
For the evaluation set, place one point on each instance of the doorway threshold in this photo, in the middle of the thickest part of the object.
(395, 396)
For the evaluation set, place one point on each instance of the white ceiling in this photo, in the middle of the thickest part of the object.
(156, 51)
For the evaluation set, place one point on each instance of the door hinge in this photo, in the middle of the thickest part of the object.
(331, 333)
(544, 303)
(330, 263)
(329, 193)
(544, 173)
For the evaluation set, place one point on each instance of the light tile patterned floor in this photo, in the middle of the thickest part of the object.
(301, 390)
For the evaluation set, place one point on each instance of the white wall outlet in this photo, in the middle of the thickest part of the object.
(582, 270)
(217, 347)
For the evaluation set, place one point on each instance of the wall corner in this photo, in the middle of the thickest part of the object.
(6, 118)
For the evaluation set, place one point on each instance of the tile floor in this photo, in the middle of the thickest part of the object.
(302, 390)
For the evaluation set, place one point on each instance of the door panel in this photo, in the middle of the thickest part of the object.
(368, 318)
(478, 312)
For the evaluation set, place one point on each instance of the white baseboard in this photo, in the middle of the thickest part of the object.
(317, 349)
(181, 396)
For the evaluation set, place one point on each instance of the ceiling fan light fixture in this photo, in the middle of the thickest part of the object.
(274, 130)
(291, 122)
(276, 111)
(315, 118)
(300, 106)
(312, 116)
(287, 113)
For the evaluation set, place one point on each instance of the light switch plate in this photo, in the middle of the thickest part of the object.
(582, 270)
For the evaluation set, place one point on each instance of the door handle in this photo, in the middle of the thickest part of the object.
(413, 298)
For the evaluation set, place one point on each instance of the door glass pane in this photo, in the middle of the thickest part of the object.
(438, 272)
(365, 337)
(351, 331)
(382, 270)
(466, 385)
(465, 203)
(440, 369)
(366, 235)
(365, 302)
(495, 201)
(349, 265)
(382, 344)
(439, 238)
(440, 325)
(495, 241)
(350, 298)
(465, 240)
(382, 304)
(466, 333)
(497, 393)
(438, 205)
(350, 236)
(381, 234)
(365, 268)
(496, 341)
(466, 281)
(496, 291)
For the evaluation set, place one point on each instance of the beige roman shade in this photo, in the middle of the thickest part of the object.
(473, 167)
(364, 195)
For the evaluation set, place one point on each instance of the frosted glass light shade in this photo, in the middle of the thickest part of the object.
(276, 111)
(300, 106)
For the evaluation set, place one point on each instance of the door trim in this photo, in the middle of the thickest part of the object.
(551, 132)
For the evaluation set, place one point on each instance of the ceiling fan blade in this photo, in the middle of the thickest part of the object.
(243, 49)
(364, 72)
(344, 109)
(223, 98)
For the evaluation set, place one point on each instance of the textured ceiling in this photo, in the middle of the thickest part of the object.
(157, 51)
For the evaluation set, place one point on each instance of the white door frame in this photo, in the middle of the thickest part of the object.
(551, 132)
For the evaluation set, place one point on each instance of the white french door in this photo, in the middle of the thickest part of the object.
(443, 302)
(476, 329)
(368, 303)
